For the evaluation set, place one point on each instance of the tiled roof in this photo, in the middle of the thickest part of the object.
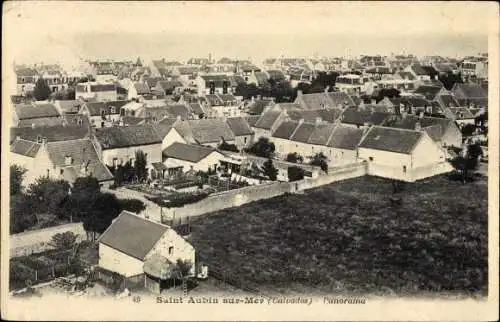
(96, 108)
(356, 100)
(187, 152)
(252, 119)
(409, 122)
(470, 90)
(391, 139)
(276, 74)
(428, 91)
(51, 133)
(26, 148)
(168, 121)
(227, 98)
(196, 108)
(345, 137)
(239, 126)
(179, 110)
(257, 106)
(352, 116)
(133, 235)
(418, 70)
(340, 99)
(152, 81)
(261, 77)
(461, 113)
(41, 122)
(26, 72)
(169, 86)
(448, 100)
(285, 130)
(142, 88)
(35, 111)
(321, 134)
(326, 115)
(132, 120)
(126, 136)
(188, 70)
(288, 106)
(303, 132)
(218, 80)
(205, 130)
(314, 101)
(236, 79)
(267, 119)
(72, 106)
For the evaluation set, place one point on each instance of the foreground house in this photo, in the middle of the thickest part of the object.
(143, 250)
(401, 154)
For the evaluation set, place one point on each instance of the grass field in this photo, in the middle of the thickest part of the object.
(349, 237)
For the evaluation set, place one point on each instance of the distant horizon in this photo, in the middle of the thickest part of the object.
(182, 46)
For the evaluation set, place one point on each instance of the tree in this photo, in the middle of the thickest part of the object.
(474, 152)
(468, 129)
(48, 194)
(42, 91)
(449, 79)
(262, 148)
(295, 173)
(269, 170)
(387, 92)
(133, 205)
(247, 90)
(228, 147)
(22, 213)
(181, 270)
(64, 240)
(140, 166)
(294, 158)
(319, 159)
(16, 178)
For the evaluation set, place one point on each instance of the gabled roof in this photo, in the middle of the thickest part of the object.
(261, 77)
(127, 136)
(252, 119)
(326, 115)
(218, 80)
(321, 134)
(133, 235)
(152, 81)
(285, 130)
(72, 106)
(187, 152)
(353, 116)
(41, 122)
(303, 132)
(345, 137)
(340, 99)
(469, 91)
(314, 101)
(409, 122)
(142, 88)
(196, 108)
(26, 148)
(26, 72)
(51, 133)
(179, 110)
(390, 139)
(428, 91)
(24, 111)
(205, 130)
(268, 119)
(276, 74)
(418, 70)
(169, 86)
(131, 120)
(448, 100)
(257, 106)
(289, 106)
(113, 107)
(239, 126)
(236, 80)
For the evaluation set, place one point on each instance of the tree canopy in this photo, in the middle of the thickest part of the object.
(269, 170)
(319, 159)
(262, 148)
(294, 157)
(16, 178)
(228, 147)
(42, 91)
(295, 173)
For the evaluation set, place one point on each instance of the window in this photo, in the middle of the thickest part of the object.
(171, 250)
(370, 158)
(61, 171)
(102, 124)
(404, 169)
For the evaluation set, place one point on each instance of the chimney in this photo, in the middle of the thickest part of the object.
(18, 138)
(301, 121)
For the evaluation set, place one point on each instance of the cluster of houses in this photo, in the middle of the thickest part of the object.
(180, 115)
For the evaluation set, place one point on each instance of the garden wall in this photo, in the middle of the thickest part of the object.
(238, 197)
(36, 241)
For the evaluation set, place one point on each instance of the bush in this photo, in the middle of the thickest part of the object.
(178, 200)
(133, 205)
(295, 174)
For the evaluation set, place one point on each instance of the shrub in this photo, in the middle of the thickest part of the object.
(295, 173)
(133, 205)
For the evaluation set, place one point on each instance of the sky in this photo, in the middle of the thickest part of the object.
(64, 32)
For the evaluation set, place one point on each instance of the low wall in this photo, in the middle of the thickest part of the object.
(238, 197)
(36, 241)
(411, 175)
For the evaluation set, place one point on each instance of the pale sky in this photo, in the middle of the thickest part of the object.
(63, 31)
